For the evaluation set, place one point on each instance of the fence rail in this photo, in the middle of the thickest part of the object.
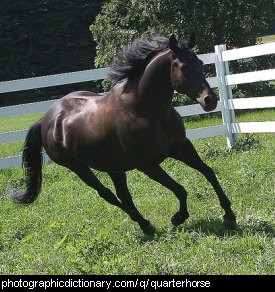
(53, 80)
(223, 81)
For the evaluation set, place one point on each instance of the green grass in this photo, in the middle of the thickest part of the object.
(18, 122)
(14, 124)
(69, 230)
(268, 38)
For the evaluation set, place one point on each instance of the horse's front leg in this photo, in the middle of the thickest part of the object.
(185, 152)
(156, 173)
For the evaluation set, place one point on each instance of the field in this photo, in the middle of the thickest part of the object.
(70, 230)
(268, 38)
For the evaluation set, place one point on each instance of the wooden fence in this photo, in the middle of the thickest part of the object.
(223, 81)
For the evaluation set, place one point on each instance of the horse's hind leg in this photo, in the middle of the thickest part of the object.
(186, 153)
(86, 175)
(120, 183)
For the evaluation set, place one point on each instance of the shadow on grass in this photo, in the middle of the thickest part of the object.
(212, 227)
(216, 227)
(157, 237)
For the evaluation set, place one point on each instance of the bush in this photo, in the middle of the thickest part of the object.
(235, 23)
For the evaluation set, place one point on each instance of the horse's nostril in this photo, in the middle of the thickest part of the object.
(207, 100)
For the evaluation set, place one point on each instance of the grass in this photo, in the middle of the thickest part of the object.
(268, 38)
(69, 230)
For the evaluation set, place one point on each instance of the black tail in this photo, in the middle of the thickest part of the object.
(32, 163)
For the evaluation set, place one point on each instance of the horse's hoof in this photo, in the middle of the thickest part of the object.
(179, 219)
(228, 224)
(149, 229)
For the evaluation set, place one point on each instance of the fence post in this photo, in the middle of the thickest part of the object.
(225, 93)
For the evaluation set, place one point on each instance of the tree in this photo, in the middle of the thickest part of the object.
(45, 37)
(237, 23)
(234, 22)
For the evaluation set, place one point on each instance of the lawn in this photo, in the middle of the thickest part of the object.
(268, 38)
(70, 230)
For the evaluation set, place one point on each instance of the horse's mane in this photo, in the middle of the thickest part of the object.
(131, 61)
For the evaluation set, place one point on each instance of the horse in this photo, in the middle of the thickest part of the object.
(133, 126)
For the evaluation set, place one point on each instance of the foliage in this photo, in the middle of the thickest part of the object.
(44, 37)
(246, 143)
(235, 23)
(253, 64)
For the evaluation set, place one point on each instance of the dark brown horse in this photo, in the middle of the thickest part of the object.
(134, 126)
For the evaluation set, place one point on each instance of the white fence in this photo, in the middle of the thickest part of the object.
(223, 81)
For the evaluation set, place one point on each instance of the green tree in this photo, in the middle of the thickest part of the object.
(234, 22)
(45, 37)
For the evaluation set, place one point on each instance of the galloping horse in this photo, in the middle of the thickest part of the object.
(134, 126)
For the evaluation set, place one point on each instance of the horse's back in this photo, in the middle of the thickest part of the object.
(70, 105)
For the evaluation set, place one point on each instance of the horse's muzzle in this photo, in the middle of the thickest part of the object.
(208, 102)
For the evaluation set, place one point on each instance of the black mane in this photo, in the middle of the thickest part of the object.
(133, 58)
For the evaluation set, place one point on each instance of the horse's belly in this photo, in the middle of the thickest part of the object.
(108, 161)
(112, 156)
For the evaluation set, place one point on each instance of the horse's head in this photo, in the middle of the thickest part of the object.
(187, 75)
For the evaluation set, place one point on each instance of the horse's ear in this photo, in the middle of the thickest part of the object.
(173, 43)
(192, 40)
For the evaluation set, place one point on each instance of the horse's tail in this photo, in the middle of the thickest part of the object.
(32, 164)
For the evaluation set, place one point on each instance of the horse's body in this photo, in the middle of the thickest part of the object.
(123, 140)
(119, 131)
(134, 126)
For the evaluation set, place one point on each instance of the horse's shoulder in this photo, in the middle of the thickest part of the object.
(175, 125)
(174, 116)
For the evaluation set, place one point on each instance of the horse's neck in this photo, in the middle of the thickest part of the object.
(155, 89)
